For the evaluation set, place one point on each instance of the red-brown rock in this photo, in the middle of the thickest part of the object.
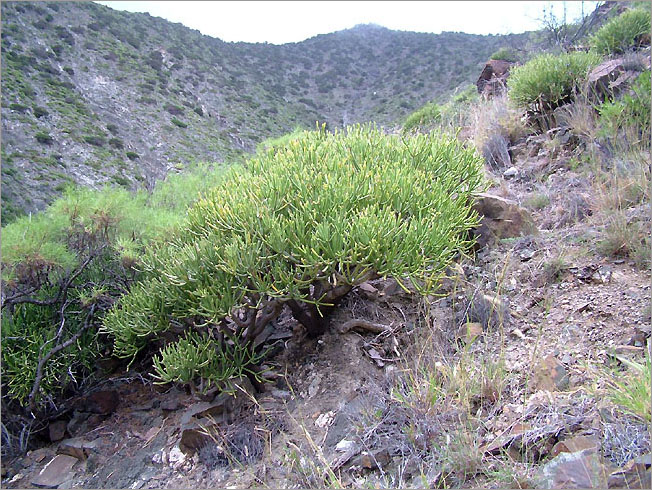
(493, 78)
(101, 402)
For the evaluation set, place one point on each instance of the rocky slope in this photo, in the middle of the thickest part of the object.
(95, 96)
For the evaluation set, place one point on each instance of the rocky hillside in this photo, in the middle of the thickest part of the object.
(95, 96)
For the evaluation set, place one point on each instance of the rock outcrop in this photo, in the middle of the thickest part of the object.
(493, 78)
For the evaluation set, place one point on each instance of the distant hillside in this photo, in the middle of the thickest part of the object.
(92, 95)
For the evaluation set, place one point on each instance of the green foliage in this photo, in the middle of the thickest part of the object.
(18, 107)
(283, 140)
(116, 143)
(622, 33)
(505, 54)
(428, 115)
(43, 137)
(549, 80)
(630, 112)
(95, 140)
(301, 225)
(199, 360)
(448, 117)
(89, 236)
(632, 390)
(179, 123)
(132, 155)
(40, 111)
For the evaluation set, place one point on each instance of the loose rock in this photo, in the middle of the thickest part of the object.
(581, 469)
(55, 472)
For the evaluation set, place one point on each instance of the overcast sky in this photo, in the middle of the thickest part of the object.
(294, 21)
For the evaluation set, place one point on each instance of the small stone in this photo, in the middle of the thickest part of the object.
(526, 254)
(57, 430)
(550, 375)
(345, 445)
(368, 291)
(170, 404)
(470, 331)
(575, 444)
(374, 460)
(325, 419)
(101, 402)
(55, 472)
(281, 394)
(38, 455)
(176, 456)
(510, 173)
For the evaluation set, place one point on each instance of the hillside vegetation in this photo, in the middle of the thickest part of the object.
(96, 96)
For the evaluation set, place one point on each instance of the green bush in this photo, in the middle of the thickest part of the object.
(428, 115)
(62, 268)
(505, 54)
(18, 107)
(117, 143)
(299, 226)
(132, 155)
(40, 111)
(283, 140)
(95, 140)
(622, 33)
(179, 123)
(548, 81)
(630, 112)
(42, 137)
(198, 356)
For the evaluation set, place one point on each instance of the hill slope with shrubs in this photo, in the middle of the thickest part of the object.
(96, 96)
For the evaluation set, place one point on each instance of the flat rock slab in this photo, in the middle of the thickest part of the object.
(581, 469)
(55, 472)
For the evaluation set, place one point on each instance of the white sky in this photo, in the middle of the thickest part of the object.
(280, 22)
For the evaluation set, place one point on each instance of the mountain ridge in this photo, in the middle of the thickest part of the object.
(94, 96)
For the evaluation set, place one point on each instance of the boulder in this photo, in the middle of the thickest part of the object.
(57, 471)
(100, 402)
(609, 78)
(582, 469)
(57, 430)
(493, 78)
(501, 218)
(196, 434)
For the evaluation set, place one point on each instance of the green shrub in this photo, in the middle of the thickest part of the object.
(18, 107)
(42, 137)
(428, 115)
(622, 33)
(179, 123)
(117, 143)
(548, 81)
(283, 140)
(630, 113)
(505, 54)
(132, 155)
(95, 140)
(40, 111)
(199, 357)
(61, 269)
(299, 226)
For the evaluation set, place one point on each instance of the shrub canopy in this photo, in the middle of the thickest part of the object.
(62, 268)
(300, 226)
(622, 33)
(549, 80)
